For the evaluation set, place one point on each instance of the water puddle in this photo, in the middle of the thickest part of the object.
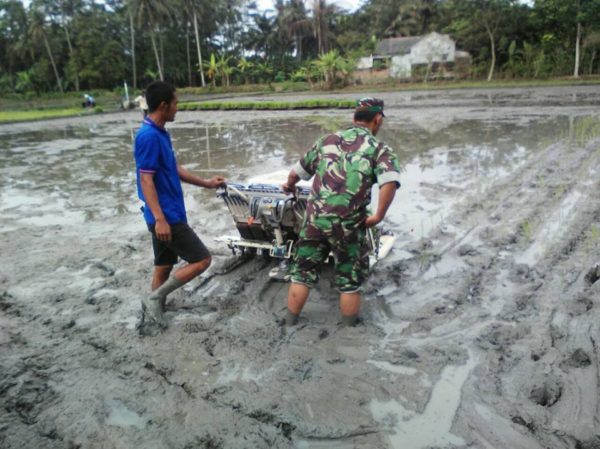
(397, 369)
(121, 416)
(239, 373)
(552, 230)
(432, 428)
(86, 174)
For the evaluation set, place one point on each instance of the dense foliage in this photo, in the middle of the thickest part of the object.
(70, 45)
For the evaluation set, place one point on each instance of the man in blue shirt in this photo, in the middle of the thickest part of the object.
(159, 179)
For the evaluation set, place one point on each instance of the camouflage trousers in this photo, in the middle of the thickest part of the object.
(347, 243)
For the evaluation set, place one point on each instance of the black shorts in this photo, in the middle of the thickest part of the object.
(184, 243)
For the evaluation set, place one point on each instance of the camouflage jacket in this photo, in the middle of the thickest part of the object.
(345, 165)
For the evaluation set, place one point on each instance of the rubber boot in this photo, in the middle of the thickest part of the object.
(153, 305)
(152, 310)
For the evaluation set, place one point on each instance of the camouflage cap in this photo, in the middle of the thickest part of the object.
(369, 104)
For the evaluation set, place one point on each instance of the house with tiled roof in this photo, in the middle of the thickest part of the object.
(401, 56)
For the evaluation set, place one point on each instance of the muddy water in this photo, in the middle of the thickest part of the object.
(83, 174)
(478, 330)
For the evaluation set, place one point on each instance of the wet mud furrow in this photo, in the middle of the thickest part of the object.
(480, 329)
(519, 302)
(540, 391)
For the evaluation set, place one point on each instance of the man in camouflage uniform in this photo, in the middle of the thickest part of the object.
(345, 165)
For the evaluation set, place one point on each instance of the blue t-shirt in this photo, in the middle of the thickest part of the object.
(153, 152)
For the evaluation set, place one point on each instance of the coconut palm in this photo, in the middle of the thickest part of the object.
(297, 23)
(131, 6)
(195, 9)
(155, 12)
(68, 9)
(37, 31)
(322, 15)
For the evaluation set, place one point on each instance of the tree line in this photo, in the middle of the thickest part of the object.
(70, 45)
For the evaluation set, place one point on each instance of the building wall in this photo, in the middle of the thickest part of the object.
(434, 53)
(400, 66)
(364, 63)
(370, 76)
(433, 48)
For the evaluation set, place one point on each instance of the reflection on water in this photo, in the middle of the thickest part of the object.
(77, 174)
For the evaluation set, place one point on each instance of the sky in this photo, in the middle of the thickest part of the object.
(348, 5)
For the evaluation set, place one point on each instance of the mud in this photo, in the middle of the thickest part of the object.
(480, 329)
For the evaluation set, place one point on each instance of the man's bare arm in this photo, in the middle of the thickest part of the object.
(161, 228)
(386, 196)
(290, 185)
(190, 178)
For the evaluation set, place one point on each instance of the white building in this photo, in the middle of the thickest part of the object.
(402, 55)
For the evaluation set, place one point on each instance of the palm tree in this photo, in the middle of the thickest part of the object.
(259, 37)
(194, 9)
(132, 7)
(245, 67)
(212, 69)
(37, 31)
(224, 69)
(329, 63)
(13, 23)
(404, 21)
(264, 69)
(195, 18)
(157, 12)
(298, 24)
(68, 9)
(322, 14)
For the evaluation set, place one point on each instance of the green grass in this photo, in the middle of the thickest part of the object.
(39, 114)
(266, 105)
(391, 84)
(30, 106)
(286, 86)
(55, 100)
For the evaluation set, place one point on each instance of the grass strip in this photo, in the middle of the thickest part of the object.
(39, 114)
(286, 86)
(266, 105)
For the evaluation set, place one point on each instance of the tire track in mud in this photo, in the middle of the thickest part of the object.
(515, 296)
(495, 300)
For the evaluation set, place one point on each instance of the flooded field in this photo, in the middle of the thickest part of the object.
(479, 330)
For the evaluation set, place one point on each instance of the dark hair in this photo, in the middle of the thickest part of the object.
(365, 116)
(157, 92)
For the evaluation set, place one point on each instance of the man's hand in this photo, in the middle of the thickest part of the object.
(289, 188)
(386, 196)
(162, 230)
(215, 182)
(372, 221)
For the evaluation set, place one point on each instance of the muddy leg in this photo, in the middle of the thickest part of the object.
(160, 275)
(349, 306)
(191, 270)
(297, 296)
